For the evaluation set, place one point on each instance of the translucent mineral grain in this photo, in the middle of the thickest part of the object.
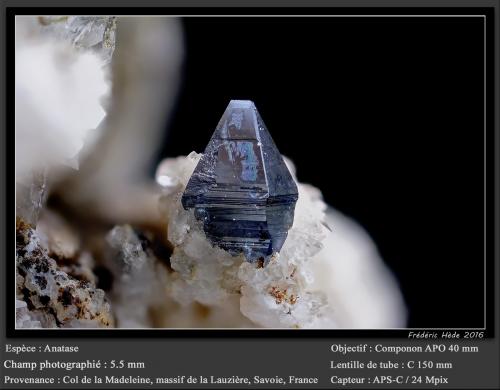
(31, 191)
(23, 317)
(96, 33)
(140, 279)
(241, 188)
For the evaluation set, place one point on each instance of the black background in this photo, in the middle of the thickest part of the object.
(384, 115)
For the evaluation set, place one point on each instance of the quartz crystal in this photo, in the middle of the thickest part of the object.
(135, 266)
(93, 33)
(30, 196)
(241, 189)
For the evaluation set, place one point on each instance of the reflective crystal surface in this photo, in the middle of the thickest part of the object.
(31, 193)
(96, 33)
(241, 189)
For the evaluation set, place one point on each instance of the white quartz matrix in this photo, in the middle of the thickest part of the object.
(285, 293)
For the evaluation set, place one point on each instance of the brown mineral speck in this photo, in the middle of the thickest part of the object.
(22, 227)
(65, 297)
(42, 281)
(278, 294)
(83, 283)
(281, 295)
(36, 261)
(27, 299)
(77, 297)
(202, 311)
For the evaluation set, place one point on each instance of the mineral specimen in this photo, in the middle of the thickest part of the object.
(53, 297)
(241, 189)
(23, 318)
(30, 195)
(141, 279)
(278, 295)
(84, 32)
(61, 83)
(321, 278)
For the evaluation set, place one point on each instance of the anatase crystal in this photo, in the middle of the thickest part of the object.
(241, 189)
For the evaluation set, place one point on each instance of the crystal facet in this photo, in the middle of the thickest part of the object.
(241, 188)
(95, 33)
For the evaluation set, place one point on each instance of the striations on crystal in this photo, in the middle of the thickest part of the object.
(241, 188)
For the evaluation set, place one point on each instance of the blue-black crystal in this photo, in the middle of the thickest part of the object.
(241, 188)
